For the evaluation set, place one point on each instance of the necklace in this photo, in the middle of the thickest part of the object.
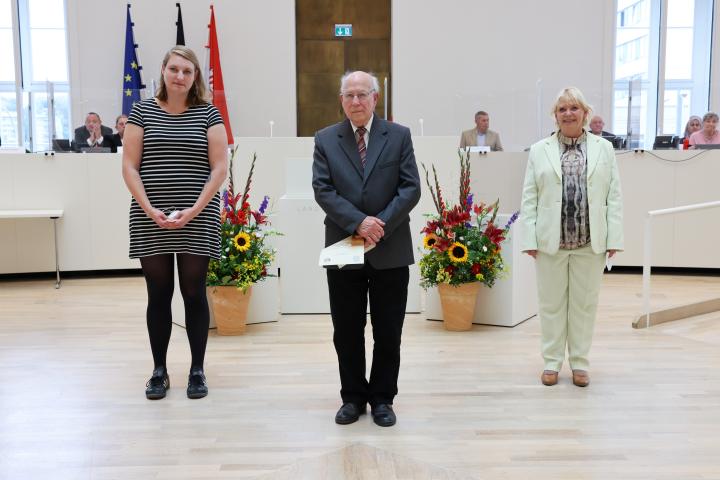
(571, 142)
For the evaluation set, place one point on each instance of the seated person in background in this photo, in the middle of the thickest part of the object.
(481, 134)
(709, 133)
(596, 128)
(93, 134)
(120, 122)
(694, 124)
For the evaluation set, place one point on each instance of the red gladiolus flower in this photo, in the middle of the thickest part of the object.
(475, 268)
(456, 216)
(496, 235)
(477, 209)
(259, 218)
(432, 226)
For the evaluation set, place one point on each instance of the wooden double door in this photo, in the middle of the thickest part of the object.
(322, 58)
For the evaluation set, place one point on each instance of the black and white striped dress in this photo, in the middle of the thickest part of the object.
(174, 169)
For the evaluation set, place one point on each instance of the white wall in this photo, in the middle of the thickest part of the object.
(449, 59)
(469, 55)
(257, 54)
(93, 233)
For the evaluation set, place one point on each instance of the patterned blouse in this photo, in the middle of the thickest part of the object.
(575, 216)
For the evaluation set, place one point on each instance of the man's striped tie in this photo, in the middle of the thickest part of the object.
(361, 145)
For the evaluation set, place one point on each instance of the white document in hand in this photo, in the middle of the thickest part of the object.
(348, 251)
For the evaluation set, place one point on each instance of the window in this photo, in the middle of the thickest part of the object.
(46, 24)
(687, 63)
(8, 97)
(636, 69)
(651, 104)
(43, 88)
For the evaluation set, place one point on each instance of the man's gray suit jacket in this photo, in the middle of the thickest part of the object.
(387, 188)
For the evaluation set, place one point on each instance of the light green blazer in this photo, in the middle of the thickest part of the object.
(542, 197)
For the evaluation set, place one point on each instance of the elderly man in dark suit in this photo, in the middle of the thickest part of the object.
(366, 180)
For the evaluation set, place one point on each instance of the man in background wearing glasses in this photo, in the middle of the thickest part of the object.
(366, 180)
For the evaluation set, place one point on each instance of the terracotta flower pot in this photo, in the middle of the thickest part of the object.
(458, 305)
(229, 307)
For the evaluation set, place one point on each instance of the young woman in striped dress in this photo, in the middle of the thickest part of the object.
(174, 163)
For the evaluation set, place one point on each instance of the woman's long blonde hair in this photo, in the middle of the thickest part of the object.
(198, 93)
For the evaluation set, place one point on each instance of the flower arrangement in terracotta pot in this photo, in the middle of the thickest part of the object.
(245, 255)
(462, 248)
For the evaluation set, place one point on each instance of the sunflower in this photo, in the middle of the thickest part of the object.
(458, 253)
(242, 241)
(430, 240)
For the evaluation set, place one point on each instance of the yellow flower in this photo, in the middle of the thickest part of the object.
(479, 277)
(429, 241)
(458, 253)
(242, 241)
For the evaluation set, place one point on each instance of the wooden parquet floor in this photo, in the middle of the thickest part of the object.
(75, 361)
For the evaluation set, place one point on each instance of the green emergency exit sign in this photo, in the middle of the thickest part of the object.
(343, 30)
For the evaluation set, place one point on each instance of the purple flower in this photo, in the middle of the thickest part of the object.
(512, 219)
(226, 200)
(264, 204)
(469, 200)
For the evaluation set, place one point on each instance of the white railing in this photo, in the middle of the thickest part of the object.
(647, 254)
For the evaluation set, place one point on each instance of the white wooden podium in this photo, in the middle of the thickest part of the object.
(512, 299)
(303, 284)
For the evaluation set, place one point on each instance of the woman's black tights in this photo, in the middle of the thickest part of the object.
(192, 270)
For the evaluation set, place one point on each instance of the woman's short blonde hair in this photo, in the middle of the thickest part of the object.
(198, 93)
(573, 96)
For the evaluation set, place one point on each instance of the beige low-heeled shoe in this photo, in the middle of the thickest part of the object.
(581, 378)
(549, 377)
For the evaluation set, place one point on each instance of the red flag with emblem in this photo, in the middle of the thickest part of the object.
(215, 78)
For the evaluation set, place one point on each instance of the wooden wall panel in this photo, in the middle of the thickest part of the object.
(312, 18)
(322, 58)
(321, 88)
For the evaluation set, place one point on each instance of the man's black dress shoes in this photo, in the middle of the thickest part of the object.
(349, 413)
(197, 385)
(158, 384)
(383, 415)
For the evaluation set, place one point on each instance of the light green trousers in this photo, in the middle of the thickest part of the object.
(568, 286)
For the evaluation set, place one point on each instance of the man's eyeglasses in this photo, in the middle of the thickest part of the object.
(361, 96)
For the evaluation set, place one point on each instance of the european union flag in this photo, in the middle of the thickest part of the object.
(132, 81)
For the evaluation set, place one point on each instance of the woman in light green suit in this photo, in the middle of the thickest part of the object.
(572, 218)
